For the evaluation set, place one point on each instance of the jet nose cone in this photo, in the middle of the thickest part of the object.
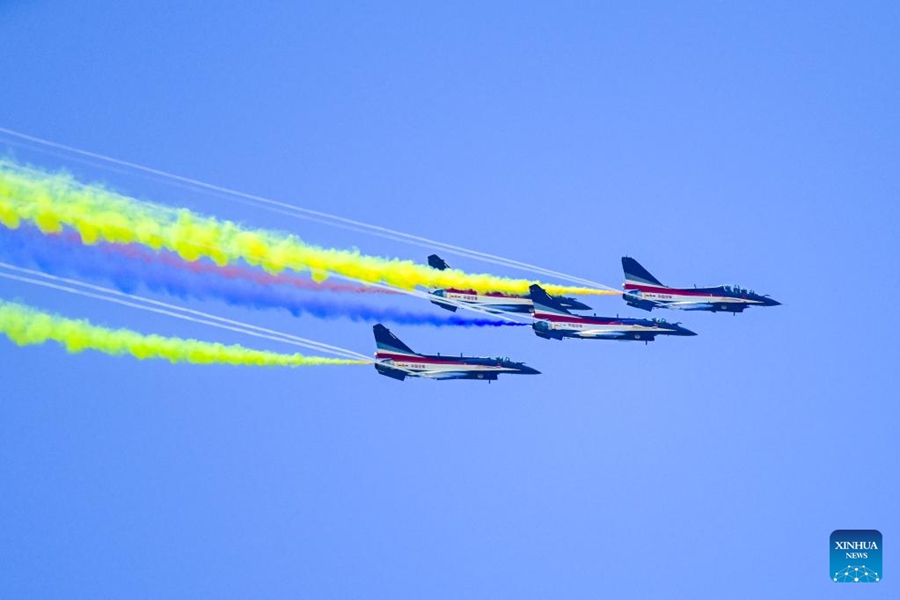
(771, 302)
(685, 331)
(523, 370)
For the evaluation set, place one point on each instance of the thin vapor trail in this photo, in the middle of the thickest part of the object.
(130, 268)
(25, 326)
(87, 290)
(318, 216)
(55, 201)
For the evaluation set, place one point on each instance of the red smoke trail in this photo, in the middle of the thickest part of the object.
(230, 271)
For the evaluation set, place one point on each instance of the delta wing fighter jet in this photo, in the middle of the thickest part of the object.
(644, 291)
(489, 301)
(395, 359)
(553, 322)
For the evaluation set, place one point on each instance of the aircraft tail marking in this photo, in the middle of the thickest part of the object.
(388, 342)
(635, 272)
(436, 262)
(545, 303)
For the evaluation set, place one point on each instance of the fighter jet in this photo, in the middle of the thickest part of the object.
(489, 301)
(553, 322)
(644, 291)
(396, 360)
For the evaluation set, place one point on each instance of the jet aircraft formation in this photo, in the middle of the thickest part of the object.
(553, 319)
(163, 246)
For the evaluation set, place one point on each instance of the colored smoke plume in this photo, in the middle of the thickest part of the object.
(54, 201)
(26, 326)
(129, 269)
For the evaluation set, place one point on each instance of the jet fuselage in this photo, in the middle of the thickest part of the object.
(722, 298)
(395, 359)
(643, 290)
(496, 301)
(558, 326)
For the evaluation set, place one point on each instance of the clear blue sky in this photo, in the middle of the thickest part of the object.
(754, 144)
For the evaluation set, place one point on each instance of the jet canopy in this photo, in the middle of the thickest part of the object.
(738, 289)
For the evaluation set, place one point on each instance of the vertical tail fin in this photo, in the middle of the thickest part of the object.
(636, 273)
(544, 302)
(436, 262)
(388, 342)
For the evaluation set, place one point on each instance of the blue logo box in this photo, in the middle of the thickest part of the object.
(856, 556)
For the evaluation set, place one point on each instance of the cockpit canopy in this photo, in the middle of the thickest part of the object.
(736, 289)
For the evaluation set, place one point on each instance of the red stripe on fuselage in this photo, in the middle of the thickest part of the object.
(419, 359)
(575, 319)
(491, 294)
(666, 290)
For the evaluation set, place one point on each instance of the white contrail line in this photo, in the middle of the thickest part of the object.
(512, 317)
(384, 286)
(175, 311)
(319, 216)
(293, 338)
(284, 338)
(70, 290)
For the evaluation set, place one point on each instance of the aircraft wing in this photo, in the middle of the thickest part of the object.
(617, 335)
(440, 374)
(600, 333)
(720, 306)
(687, 305)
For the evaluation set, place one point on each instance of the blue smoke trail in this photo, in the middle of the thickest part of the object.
(62, 255)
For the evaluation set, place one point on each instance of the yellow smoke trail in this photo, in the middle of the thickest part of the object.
(52, 201)
(28, 326)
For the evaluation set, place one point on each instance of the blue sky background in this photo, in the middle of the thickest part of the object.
(717, 143)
